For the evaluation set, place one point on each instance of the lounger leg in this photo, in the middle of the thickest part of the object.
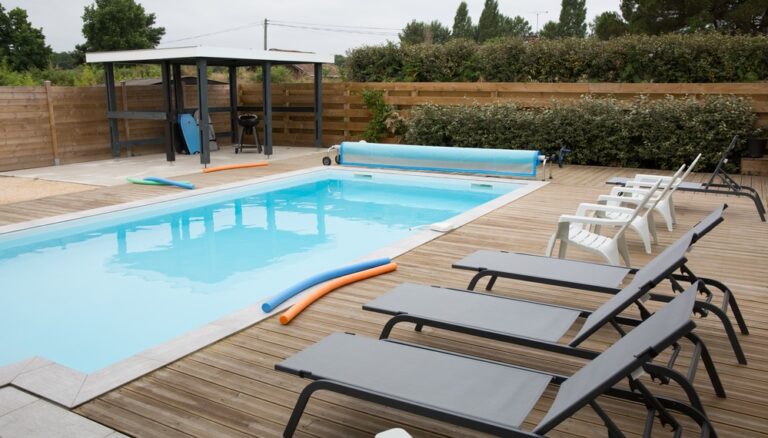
(652, 228)
(550, 245)
(709, 365)
(301, 403)
(731, 300)
(735, 344)
(491, 283)
(643, 230)
(658, 371)
(613, 429)
(623, 250)
(672, 211)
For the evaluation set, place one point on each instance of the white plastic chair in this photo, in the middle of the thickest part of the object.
(575, 229)
(641, 183)
(644, 224)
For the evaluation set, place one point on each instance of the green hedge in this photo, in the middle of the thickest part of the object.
(636, 58)
(645, 133)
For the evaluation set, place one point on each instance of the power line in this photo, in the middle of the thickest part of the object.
(361, 30)
(343, 26)
(218, 32)
(329, 29)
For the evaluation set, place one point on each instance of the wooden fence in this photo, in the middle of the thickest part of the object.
(44, 125)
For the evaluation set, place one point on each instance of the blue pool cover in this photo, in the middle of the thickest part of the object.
(440, 158)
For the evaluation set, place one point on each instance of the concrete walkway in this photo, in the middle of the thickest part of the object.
(114, 171)
(23, 415)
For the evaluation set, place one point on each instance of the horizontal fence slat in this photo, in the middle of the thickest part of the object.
(83, 133)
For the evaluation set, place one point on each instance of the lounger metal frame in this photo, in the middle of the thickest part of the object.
(656, 406)
(707, 286)
(663, 373)
(726, 186)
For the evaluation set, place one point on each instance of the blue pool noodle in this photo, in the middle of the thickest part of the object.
(170, 182)
(281, 297)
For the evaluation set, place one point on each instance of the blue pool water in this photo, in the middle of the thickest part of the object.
(90, 292)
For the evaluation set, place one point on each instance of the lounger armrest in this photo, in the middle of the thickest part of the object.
(640, 191)
(652, 178)
(567, 218)
(644, 184)
(621, 199)
(585, 207)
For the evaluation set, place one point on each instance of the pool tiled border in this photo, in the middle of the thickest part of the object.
(71, 388)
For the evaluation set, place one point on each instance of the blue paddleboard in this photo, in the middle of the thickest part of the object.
(190, 132)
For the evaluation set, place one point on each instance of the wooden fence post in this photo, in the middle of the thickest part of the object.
(52, 124)
(126, 123)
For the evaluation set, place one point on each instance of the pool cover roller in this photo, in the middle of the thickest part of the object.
(332, 285)
(440, 158)
(292, 290)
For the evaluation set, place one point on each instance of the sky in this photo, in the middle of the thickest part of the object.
(239, 23)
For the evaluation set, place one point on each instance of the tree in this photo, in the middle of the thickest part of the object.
(419, 32)
(550, 30)
(437, 33)
(462, 23)
(609, 25)
(573, 14)
(663, 16)
(119, 25)
(490, 20)
(22, 47)
(64, 60)
(514, 27)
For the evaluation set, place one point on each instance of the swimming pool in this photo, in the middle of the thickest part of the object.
(90, 292)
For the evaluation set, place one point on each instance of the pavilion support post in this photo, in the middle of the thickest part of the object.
(202, 100)
(178, 90)
(318, 105)
(233, 102)
(178, 104)
(267, 101)
(170, 153)
(114, 132)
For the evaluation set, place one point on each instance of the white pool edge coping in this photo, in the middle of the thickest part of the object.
(70, 388)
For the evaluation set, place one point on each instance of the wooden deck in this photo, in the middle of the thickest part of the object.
(231, 389)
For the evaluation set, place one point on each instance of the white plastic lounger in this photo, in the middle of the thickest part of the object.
(644, 223)
(635, 189)
(575, 229)
(726, 186)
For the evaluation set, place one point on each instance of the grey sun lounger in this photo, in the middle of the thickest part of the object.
(597, 277)
(490, 396)
(726, 186)
(538, 325)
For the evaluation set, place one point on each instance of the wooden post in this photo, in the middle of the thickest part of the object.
(127, 124)
(52, 123)
(347, 94)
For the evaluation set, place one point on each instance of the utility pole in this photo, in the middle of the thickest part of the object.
(265, 33)
(535, 12)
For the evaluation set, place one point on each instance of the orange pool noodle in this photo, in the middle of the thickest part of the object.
(331, 285)
(235, 166)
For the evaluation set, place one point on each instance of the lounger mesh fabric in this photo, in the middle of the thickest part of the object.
(440, 158)
(470, 309)
(475, 392)
(656, 270)
(473, 388)
(652, 336)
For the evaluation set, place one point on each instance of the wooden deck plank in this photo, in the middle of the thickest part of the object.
(230, 388)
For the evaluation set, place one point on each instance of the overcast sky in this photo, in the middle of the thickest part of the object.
(377, 21)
